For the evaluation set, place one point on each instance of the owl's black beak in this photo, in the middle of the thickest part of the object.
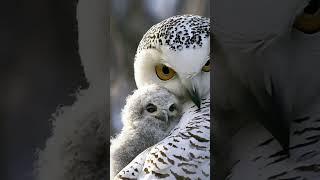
(194, 95)
(191, 85)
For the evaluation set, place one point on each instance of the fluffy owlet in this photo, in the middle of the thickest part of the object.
(148, 117)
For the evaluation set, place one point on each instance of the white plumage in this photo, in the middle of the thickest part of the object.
(175, 54)
(182, 44)
(184, 154)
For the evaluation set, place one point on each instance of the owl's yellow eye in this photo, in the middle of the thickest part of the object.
(164, 72)
(206, 67)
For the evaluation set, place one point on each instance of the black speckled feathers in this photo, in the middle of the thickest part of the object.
(177, 32)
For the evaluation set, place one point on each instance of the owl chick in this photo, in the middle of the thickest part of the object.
(148, 117)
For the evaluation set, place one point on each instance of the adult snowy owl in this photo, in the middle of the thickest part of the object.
(149, 115)
(175, 54)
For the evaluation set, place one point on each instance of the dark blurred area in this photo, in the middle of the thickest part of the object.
(129, 20)
(40, 70)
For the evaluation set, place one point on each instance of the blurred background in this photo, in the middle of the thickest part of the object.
(130, 19)
(40, 70)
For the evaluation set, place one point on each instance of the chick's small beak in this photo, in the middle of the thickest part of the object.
(163, 116)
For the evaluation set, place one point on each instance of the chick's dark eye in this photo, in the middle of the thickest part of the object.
(151, 108)
(172, 108)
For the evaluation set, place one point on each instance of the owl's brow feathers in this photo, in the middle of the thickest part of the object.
(178, 32)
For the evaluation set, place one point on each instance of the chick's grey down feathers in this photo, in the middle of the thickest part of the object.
(184, 154)
(143, 129)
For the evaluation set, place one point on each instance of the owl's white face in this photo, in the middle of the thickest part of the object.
(175, 54)
(185, 73)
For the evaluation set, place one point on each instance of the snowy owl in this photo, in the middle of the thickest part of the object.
(148, 117)
(175, 54)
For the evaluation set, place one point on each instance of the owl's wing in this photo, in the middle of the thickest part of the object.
(135, 167)
(185, 153)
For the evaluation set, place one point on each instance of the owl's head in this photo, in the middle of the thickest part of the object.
(175, 54)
